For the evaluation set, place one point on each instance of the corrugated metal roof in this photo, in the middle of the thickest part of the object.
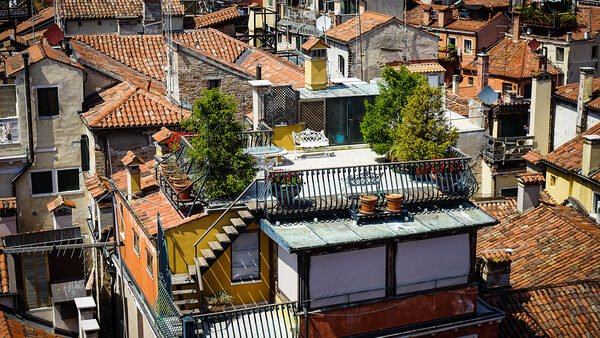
(310, 234)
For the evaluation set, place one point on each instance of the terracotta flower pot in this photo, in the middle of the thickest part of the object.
(367, 204)
(178, 178)
(179, 188)
(394, 202)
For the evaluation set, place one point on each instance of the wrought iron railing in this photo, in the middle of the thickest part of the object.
(335, 190)
(506, 149)
(261, 137)
(273, 320)
(300, 14)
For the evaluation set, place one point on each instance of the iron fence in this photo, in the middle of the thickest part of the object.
(504, 149)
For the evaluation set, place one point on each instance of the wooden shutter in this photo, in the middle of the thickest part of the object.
(35, 278)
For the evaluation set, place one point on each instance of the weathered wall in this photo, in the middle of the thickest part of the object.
(391, 7)
(333, 60)
(580, 55)
(565, 117)
(91, 26)
(57, 143)
(96, 81)
(561, 186)
(491, 33)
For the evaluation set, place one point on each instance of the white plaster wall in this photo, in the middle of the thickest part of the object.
(420, 263)
(471, 142)
(565, 120)
(92, 26)
(593, 119)
(333, 54)
(287, 273)
(580, 55)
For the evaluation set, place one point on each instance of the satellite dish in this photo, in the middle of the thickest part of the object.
(487, 95)
(323, 23)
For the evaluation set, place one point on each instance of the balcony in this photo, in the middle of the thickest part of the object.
(9, 130)
(335, 191)
(506, 149)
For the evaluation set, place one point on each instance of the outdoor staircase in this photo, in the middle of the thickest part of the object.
(187, 287)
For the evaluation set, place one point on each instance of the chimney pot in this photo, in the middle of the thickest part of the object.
(528, 191)
(455, 84)
(516, 27)
(591, 154)
(483, 60)
(494, 268)
(586, 78)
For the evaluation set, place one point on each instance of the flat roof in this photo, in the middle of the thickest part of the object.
(299, 235)
(341, 90)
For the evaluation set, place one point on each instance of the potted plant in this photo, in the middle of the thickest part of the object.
(394, 202)
(168, 168)
(178, 177)
(286, 186)
(180, 187)
(218, 301)
(367, 204)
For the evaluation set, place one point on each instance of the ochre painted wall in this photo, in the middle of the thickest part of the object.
(282, 136)
(180, 243)
(564, 185)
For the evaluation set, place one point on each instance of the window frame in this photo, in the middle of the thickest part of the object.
(31, 182)
(55, 190)
(136, 242)
(595, 202)
(249, 279)
(149, 263)
(595, 52)
(448, 41)
(470, 51)
(552, 180)
(37, 101)
(514, 191)
(210, 83)
(562, 59)
(342, 65)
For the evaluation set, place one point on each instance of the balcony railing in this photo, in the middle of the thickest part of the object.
(295, 194)
(262, 137)
(506, 149)
(9, 130)
(300, 14)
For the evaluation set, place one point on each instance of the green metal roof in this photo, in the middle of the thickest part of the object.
(299, 235)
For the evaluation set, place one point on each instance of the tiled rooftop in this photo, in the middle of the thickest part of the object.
(369, 21)
(565, 310)
(532, 177)
(124, 105)
(96, 185)
(8, 203)
(44, 16)
(38, 53)
(214, 18)
(60, 201)
(13, 328)
(583, 25)
(414, 16)
(457, 103)
(512, 59)
(102, 9)
(551, 245)
(533, 157)
(570, 91)
(502, 209)
(487, 3)
(471, 25)
(162, 135)
(428, 67)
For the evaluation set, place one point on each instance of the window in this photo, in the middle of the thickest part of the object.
(245, 258)
(47, 101)
(595, 204)
(509, 192)
(594, 52)
(342, 65)
(506, 87)
(85, 153)
(213, 83)
(468, 46)
(54, 181)
(552, 180)
(136, 242)
(470, 80)
(560, 54)
(149, 263)
(452, 41)
(348, 7)
(318, 53)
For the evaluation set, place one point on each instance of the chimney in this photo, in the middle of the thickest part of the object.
(591, 154)
(586, 78)
(539, 117)
(315, 63)
(494, 268)
(483, 62)
(444, 17)
(516, 31)
(426, 18)
(529, 189)
(134, 180)
(455, 82)
(259, 89)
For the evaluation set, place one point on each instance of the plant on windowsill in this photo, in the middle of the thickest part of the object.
(218, 301)
(285, 186)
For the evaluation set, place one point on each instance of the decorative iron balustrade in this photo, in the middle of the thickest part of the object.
(293, 194)
(262, 137)
(300, 14)
(506, 149)
(273, 320)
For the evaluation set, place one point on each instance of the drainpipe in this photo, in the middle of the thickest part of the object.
(28, 107)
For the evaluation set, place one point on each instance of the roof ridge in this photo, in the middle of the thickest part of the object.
(545, 286)
(570, 222)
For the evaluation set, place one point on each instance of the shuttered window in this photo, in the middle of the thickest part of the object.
(85, 153)
(35, 277)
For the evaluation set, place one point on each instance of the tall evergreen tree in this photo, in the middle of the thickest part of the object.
(383, 116)
(424, 132)
(218, 146)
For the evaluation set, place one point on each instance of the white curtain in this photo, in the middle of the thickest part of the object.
(287, 273)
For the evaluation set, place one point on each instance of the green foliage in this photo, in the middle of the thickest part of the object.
(219, 298)
(217, 146)
(383, 116)
(424, 133)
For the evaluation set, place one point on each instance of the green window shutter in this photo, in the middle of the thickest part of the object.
(85, 153)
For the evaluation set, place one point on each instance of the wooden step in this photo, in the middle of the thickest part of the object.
(184, 302)
(182, 279)
(190, 312)
(223, 238)
(245, 215)
(215, 246)
(192, 270)
(230, 231)
(183, 292)
(201, 262)
(238, 223)
(208, 254)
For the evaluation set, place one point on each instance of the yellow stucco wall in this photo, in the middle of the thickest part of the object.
(180, 241)
(282, 135)
(561, 185)
(315, 73)
(505, 181)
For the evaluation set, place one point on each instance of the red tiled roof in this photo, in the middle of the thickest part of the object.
(487, 3)
(569, 156)
(4, 274)
(101, 9)
(8, 203)
(497, 256)
(546, 198)
(131, 157)
(313, 41)
(457, 103)
(531, 177)
(97, 185)
(471, 25)
(60, 202)
(570, 92)
(502, 209)
(565, 310)
(426, 67)
(551, 245)
(214, 18)
(11, 328)
(124, 105)
(212, 43)
(512, 59)
(414, 16)
(583, 25)
(162, 135)
(38, 53)
(44, 16)
(369, 21)
(468, 92)
(533, 157)
(143, 53)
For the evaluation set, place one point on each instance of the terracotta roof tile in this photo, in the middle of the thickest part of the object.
(429, 67)
(551, 245)
(101, 9)
(38, 53)
(531, 178)
(12, 328)
(60, 202)
(546, 198)
(4, 274)
(497, 256)
(512, 59)
(44, 16)
(162, 135)
(97, 185)
(583, 25)
(570, 91)
(533, 157)
(212, 43)
(487, 3)
(471, 25)
(414, 16)
(8, 203)
(457, 103)
(468, 91)
(131, 157)
(502, 209)
(312, 42)
(214, 18)
(124, 106)
(369, 21)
